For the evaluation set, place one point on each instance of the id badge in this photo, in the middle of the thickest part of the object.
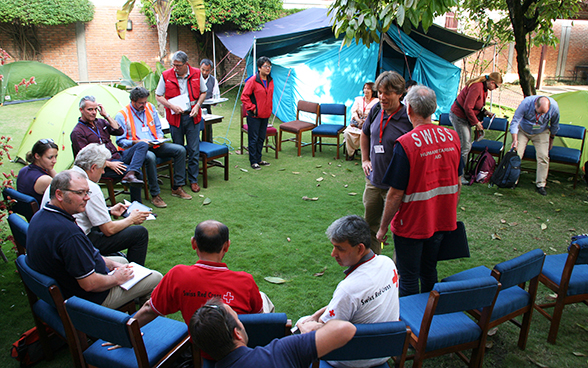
(536, 126)
(379, 148)
(144, 129)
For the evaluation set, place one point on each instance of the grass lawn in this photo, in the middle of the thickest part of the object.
(274, 232)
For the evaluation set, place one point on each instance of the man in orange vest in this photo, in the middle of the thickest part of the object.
(182, 90)
(141, 123)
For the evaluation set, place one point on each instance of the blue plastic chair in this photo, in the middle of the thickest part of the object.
(513, 300)
(566, 275)
(162, 341)
(450, 330)
(19, 228)
(24, 204)
(329, 130)
(208, 153)
(371, 341)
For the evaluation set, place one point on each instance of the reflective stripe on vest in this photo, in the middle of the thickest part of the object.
(131, 121)
(424, 196)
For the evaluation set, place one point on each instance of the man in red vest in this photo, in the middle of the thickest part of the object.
(182, 90)
(421, 205)
(141, 125)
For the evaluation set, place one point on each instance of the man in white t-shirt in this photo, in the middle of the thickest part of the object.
(106, 235)
(369, 292)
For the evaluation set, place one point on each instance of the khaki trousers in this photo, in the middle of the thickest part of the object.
(374, 200)
(541, 143)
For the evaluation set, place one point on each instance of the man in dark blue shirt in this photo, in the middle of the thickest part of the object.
(216, 330)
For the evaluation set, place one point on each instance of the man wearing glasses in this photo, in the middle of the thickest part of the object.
(57, 247)
(536, 120)
(181, 90)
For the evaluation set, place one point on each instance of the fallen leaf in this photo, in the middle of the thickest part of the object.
(288, 239)
(538, 364)
(345, 186)
(493, 331)
(552, 296)
(555, 181)
(236, 166)
(282, 169)
(525, 211)
(578, 354)
(496, 237)
(320, 179)
(352, 193)
(319, 166)
(330, 163)
(489, 344)
(310, 199)
(201, 195)
(320, 273)
(462, 208)
(324, 173)
(513, 224)
(538, 218)
(582, 327)
(244, 170)
(553, 249)
(333, 175)
(551, 203)
(339, 165)
(207, 201)
(295, 172)
(274, 280)
(558, 210)
(543, 226)
(571, 178)
(502, 221)
(498, 194)
(318, 184)
(572, 229)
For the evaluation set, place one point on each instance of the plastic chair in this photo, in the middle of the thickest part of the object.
(566, 275)
(163, 339)
(329, 130)
(210, 152)
(270, 132)
(371, 341)
(298, 126)
(21, 203)
(513, 300)
(450, 330)
(19, 228)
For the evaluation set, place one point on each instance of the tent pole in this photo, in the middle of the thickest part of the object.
(254, 54)
(214, 55)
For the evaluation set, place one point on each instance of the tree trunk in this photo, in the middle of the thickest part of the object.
(517, 19)
(24, 39)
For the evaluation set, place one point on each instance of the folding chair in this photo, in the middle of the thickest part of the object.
(329, 130)
(298, 126)
(513, 300)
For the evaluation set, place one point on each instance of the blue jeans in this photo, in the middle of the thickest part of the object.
(134, 156)
(192, 132)
(256, 131)
(417, 259)
(166, 150)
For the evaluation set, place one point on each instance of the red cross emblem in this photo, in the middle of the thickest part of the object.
(395, 278)
(332, 313)
(228, 297)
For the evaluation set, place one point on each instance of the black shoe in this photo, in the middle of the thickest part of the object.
(542, 191)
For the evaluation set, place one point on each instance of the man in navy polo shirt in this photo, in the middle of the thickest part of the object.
(215, 329)
(57, 247)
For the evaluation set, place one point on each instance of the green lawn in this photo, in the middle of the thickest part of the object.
(274, 232)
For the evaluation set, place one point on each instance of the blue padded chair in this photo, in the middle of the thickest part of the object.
(162, 341)
(208, 153)
(513, 300)
(298, 126)
(566, 275)
(495, 147)
(371, 341)
(444, 120)
(22, 204)
(261, 329)
(19, 228)
(46, 303)
(450, 330)
(563, 155)
(329, 130)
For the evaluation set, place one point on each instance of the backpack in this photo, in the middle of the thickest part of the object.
(508, 171)
(483, 169)
(28, 350)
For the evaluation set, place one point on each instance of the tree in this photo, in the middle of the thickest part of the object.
(20, 20)
(162, 10)
(528, 22)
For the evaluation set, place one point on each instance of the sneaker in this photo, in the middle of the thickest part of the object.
(542, 191)
(464, 181)
(256, 167)
(158, 202)
(264, 163)
(180, 193)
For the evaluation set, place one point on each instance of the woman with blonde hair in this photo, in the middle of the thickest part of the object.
(468, 108)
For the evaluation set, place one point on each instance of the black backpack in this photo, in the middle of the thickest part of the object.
(508, 171)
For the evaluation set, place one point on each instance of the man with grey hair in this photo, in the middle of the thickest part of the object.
(421, 205)
(184, 82)
(106, 235)
(124, 166)
(369, 292)
(141, 125)
(57, 247)
(206, 68)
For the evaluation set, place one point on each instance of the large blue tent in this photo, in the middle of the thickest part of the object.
(310, 64)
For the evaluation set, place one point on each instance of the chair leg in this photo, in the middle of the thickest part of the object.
(525, 327)
(556, 319)
(205, 171)
(227, 167)
(313, 143)
(299, 143)
(145, 184)
(279, 147)
(110, 188)
(337, 146)
(242, 149)
(320, 144)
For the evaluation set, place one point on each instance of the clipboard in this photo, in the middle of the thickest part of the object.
(454, 244)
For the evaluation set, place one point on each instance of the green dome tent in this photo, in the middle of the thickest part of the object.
(59, 115)
(27, 80)
(573, 109)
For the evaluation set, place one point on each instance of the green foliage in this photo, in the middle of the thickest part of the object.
(224, 14)
(139, 73)
(46, 12)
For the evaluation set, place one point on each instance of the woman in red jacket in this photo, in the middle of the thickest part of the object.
(257, 99)
(468, 106)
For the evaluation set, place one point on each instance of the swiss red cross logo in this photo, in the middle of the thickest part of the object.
(395, 278)
(332, 313)
(228, 297)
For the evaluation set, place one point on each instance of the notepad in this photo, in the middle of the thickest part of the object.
(139, 273)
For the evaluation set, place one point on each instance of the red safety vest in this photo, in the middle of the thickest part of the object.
(172, 89)
(430, 200)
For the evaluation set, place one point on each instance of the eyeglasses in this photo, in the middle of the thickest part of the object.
(46, 140)
(221, 311)
(177, 65)
(266, 66)
(82, 193)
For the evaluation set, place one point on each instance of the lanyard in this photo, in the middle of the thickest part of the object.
(96, 132)
(387, 121)
(137, 116)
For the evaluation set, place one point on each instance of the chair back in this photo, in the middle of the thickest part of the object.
(571, 131)
(373, 340)
(38, 283)
(310, 107)
(243, 115)
(262, 328)
(444, 120)
(333, 109)
(25, 204)
(498, 124)
(19, 227)
(458, 296)
(520, 269)
(581, 244)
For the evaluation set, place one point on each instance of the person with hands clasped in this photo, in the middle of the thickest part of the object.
(359, 112)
